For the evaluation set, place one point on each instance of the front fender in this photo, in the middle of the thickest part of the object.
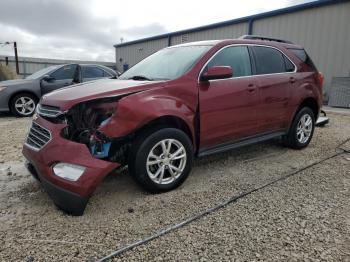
(135, 111)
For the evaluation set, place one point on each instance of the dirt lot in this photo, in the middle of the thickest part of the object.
(305, 216)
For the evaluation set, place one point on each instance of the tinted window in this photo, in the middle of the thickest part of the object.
(268, 60)
(92, 72)
(105, 73)
(289, 65)
(303, 56)
(65, 72)
(237, 57)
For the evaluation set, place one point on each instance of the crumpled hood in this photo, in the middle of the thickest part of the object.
(67, 97)
(16, 82)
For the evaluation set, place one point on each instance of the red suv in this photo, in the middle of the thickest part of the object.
(188, 100)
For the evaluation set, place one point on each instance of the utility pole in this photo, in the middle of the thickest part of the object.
(16, 57)
(16, 54)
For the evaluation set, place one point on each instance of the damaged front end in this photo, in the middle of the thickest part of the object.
(83, 126)
(83, 123)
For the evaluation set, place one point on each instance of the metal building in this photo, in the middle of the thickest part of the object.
(30, 65)
(322, 27)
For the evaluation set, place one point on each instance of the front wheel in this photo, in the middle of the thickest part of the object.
(301, 130)
(161, 161)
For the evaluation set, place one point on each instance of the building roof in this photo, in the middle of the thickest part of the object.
(290, 9)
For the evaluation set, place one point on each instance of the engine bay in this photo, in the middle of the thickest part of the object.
(83, 122)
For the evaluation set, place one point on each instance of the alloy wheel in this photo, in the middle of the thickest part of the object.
(166, 161)
(304, 128)
(25, 105)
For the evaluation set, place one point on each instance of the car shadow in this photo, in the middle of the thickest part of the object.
(120, 181)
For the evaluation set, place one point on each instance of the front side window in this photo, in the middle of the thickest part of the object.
(237, 57)
(269, 60)
(65, 72)
(166, 64)
(92, 72)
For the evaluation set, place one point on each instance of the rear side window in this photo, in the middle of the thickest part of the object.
(105, 73)
(303, 56)
(270, 61)
(92, 72)
(289, 65)
(237, 57)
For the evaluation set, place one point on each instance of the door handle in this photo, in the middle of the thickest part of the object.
(66, 84)
(292, 79)
(251, 88)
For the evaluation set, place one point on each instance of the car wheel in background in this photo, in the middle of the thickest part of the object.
(302, 129)
(161, 160)
(23, 104)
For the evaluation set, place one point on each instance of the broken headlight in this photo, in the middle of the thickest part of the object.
(83, 123)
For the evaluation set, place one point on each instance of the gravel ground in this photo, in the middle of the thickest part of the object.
(303, 217)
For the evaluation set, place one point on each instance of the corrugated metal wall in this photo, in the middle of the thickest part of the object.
(30, 65)
(323, 31)
(225, 32)
(132, 54)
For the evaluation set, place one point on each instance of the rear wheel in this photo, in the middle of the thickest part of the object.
(161, 160)
(302, 129)
(23, 104)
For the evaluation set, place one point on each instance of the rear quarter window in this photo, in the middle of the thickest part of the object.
(304, 57)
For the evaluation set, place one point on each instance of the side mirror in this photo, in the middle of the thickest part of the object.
(48, 78)
(217, 72)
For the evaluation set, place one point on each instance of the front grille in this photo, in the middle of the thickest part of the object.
(48, 111)
(38, 136)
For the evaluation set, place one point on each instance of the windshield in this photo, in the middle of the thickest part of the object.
(41, 72)
(166, 64)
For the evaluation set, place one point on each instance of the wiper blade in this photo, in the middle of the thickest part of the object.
(141, 77)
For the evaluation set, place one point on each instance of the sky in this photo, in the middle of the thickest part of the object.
(88, 29)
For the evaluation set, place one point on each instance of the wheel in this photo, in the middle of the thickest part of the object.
(161, 159)
(302, 129)
(23, 104)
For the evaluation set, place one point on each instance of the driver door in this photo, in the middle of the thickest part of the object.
(228, 107)
(60, 78)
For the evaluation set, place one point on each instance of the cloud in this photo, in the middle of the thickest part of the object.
(88, 29)
(64, 29)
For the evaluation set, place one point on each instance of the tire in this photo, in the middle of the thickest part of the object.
(147, 169)
(300, 135)
(23, 104)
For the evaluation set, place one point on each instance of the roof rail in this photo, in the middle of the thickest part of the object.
(257, 37)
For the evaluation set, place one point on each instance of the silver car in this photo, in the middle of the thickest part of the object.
(20, 96)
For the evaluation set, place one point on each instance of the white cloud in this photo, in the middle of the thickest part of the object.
(87, 29)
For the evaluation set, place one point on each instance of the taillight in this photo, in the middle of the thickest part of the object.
(320, 79)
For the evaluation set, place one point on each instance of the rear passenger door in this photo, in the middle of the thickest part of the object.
(275, 76)
(228, 107)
